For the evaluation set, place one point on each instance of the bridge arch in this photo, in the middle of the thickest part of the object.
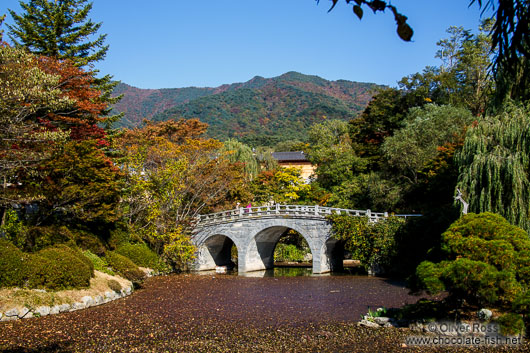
(260, 250)
(216, 250)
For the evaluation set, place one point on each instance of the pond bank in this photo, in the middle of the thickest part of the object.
(223, 313)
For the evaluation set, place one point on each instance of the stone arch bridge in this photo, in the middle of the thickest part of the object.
(255, 232)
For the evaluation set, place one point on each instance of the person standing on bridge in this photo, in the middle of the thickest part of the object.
(248, 207)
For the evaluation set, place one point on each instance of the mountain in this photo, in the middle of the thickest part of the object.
(262, 111)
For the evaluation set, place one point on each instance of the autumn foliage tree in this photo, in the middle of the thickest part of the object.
(173, 174)
(52, 144)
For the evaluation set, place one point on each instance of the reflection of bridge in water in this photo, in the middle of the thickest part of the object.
(255, 232)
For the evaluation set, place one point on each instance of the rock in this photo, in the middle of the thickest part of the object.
(43, 310)
(88, 301)
(64, 307)
(24, 312)
(12, 312)
(128, 290)
(388, 324)
(109, 295)
(9, 318)
(484, 314)
(1, 314)
(381, 320)
(77, 306)
(98, 300)
(54, 310)
(368, 324)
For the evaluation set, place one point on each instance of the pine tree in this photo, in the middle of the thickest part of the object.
(2, 18)
(61, 29)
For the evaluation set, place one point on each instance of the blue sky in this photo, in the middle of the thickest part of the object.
(178, 43)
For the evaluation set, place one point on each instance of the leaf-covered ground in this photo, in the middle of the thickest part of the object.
(186, 313)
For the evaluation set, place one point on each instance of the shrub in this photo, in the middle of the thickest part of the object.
(122, 234)
(124, 267)
(59, 268)
(100, 264)
(178, 251)
(288, 252)
(484, 261)
(511, 324)
(79, 254)
(141, 255)
(373, 244)
(13, 265)
(114, 285)
(13, 229)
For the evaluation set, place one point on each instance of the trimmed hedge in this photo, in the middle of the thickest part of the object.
(141, 255)
(13, 265)
(60, 267)
(125, 267)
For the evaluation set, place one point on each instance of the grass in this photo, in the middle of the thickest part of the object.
(19, 298)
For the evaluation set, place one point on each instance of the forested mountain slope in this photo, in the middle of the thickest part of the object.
(259, 112)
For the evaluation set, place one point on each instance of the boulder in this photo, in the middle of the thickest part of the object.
(484, 314)
(88, 301)
(381, 320)
(368, 324)
(12, 313)
(55, 310)
(64, 307)
(98, 300)
(24, 312)
(43, 310)
(77, 306)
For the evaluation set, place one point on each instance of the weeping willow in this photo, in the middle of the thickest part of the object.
(494, 167)
(239, 152)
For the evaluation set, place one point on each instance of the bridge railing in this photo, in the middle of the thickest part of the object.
(286, 210)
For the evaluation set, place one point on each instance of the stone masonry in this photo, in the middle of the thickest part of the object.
(256, 239)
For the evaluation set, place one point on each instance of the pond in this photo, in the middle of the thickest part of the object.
(214, 312)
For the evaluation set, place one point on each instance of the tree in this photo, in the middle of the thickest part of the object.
(171, 177)
(79, 185)
(236, 152)
(485, 261)
(463, 78)
(494, 165)
(425, 130)
(2, 18)
(282, 185)
(61, 30)
(173, 174)
(26, 92)
(331, 151)
(58, 29)
(380, 119)
(510, 41)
